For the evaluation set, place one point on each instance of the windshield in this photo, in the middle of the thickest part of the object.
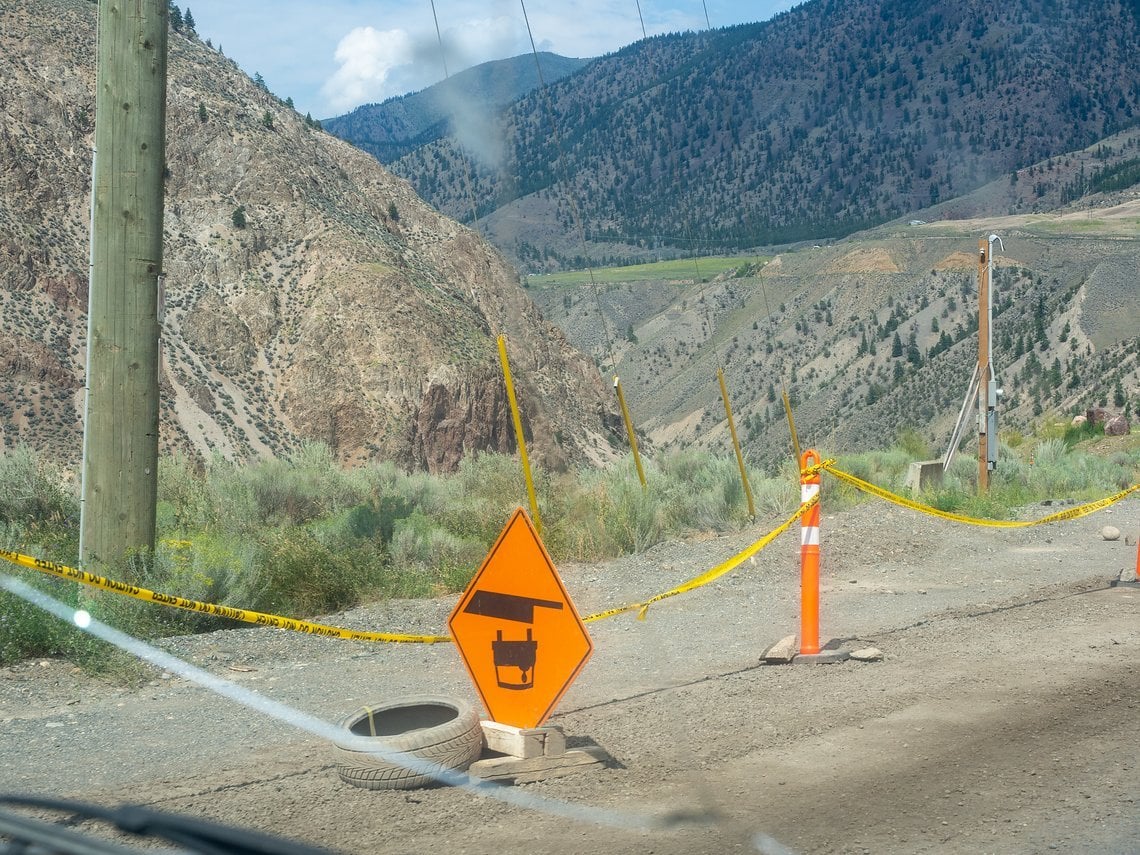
(429, 479)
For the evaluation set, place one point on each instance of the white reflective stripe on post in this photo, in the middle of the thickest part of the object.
(809, 533)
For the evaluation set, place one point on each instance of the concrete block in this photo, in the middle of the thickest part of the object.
(924, 474)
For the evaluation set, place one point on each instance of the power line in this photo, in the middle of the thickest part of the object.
(570, 198)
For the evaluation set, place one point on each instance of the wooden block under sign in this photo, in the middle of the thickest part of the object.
(513, 770)
(523, 743)
(555, 742)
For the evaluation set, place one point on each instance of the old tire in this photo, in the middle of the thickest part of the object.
(439, 733)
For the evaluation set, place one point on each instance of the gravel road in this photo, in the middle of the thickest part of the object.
(1002, 718)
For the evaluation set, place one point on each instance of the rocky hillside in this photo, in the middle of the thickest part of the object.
(834, 116)
(877, 333)
(309, 293)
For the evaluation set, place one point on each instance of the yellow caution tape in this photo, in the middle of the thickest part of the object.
(822, 466)
(278, 622)
(258, 618)
(710, 575)
(642, 608)
(1070, 514)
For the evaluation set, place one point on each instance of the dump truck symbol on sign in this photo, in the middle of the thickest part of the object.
(519, 679)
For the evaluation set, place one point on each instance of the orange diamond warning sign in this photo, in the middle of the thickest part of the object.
(520, 636)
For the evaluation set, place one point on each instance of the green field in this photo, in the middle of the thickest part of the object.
(1123, 226)
(682, 269)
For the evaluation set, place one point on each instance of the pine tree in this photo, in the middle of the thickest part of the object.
(188, 20)
(914, 355)
(1118, 398)
(175, 18)
(1055, 374)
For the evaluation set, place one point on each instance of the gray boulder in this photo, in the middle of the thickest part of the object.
(1116, 426)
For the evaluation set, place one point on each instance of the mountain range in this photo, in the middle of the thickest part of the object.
(832, 117)
(312, 295)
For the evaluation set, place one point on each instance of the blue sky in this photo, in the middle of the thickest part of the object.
(334, 55)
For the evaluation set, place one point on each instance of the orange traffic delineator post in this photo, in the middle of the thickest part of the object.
(809, 554)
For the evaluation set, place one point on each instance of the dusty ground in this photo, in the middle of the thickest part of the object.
(1002, 719)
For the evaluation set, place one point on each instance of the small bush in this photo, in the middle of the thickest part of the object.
(775, 496)
(443, 561)
(1079, 433)
(700, 492)
(299, 575)
(35, 501)
(634, 521)
(912, 443)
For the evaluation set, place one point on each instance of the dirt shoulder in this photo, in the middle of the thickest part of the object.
(1001, 719)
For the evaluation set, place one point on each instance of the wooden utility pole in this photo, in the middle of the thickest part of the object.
(983, 365)
(120, 436)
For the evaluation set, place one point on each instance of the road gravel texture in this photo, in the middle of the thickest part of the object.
(1003, 717)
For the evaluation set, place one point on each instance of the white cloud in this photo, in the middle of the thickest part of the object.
(366, 60)
(373, 65)
(478, 40)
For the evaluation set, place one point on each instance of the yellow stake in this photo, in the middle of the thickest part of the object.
(519, 435)
(629, 431)
(736, 442)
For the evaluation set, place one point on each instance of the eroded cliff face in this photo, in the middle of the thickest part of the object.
(343, 309)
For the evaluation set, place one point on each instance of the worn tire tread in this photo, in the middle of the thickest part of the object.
(452, 745)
